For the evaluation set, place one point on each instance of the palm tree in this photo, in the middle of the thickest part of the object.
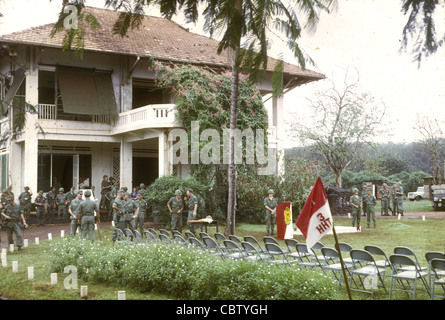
(245, 27)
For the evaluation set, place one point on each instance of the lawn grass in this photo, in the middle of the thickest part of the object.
(421, 236)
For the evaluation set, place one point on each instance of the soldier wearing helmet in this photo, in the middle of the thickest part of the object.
(175, 206)
(62, 201)
(356, 205)
(270, 203)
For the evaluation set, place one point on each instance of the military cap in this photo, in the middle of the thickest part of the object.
(9, 198)
(79, 192)
(87, 193)
(354, 190)
(139, 194)
(385, 185)
(399, 183)
(120, 191)
(61, 190)
(270, 191)
(40, 191)
(142, 185)
(26, 187)
(9, 188)
(178, 193)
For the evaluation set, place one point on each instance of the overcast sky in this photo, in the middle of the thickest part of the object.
(362, 34)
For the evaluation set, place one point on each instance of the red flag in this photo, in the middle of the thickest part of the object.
(315, 219)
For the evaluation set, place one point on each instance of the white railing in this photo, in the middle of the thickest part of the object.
(47, 111)
(150, 116)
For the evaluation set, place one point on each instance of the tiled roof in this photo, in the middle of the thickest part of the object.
(156, 37)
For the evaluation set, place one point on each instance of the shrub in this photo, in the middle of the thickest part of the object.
(188, 273)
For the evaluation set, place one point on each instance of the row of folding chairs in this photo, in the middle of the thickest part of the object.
(366, 268)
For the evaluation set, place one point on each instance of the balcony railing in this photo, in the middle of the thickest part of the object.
(49, 112)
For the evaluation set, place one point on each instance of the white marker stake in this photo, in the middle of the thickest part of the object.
(37, 240)
(83, 291)
(121, 295)
(349, 215)
(11, 248)
(4, 262)
(112, 223)
(53, 278)
(423, 218)
(25, 243)
(398, 216)
(62, 233)
(50, 236)
(30, 273)
(15, 266)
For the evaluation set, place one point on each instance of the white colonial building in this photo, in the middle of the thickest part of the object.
(102, 114)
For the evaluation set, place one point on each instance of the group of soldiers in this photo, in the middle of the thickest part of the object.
(366, 201)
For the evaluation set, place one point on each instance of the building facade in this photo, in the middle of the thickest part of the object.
(102, 114)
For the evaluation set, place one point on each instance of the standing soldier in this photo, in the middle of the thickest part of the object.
(394, 200)
(13, 214)
(384, 194)
(25, 202)
(62, 201)
(355, 203)
(270, 203)
(129, 215)
(51, 204)
(71, 196)
(113, 196)
(371, 201)
(105, 186)
(175, 206)
(399, 192)
(142, 189)
(40, 209)
(87, 210)
(193, 209)
(73, 210)
(9, 191)
(363, 196)
(141, 205)
(118, 213)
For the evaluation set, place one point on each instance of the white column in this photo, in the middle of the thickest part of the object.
(126, 163)
(163, 154)
(278, 124)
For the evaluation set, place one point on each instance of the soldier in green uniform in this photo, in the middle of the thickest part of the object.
(40, 209)
(51, 205)
(363, 195)
(73, 210)
(193, 209)
(9, 191)
(384, 195)
(356, 204)
(270, 203)
(371, 201)
(394, 200)
(87, 210)
(62, 201)
(118, 213)
(399, 192)
(25, 202)
(141, 205)
(142, 190)
(113, 196)
(13, 213)
(175, 206)
(129, 216)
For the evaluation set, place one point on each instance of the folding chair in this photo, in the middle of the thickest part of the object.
(212, 246)
(408, 252)
(277, 254)
(438, 271)
(345, 247)
(317, 247)
(376, 251)
(203, 234)
(399, 263)
(251, 252)
(269, 239)
(219, 237)
(138, 237)
(233, 250)
(196, 243)
(153, 231)
(331, 258)
(370, 271)
(291, 248)
(164, 232)
(164, 238)
(120, 236)
(430, 255)
(305, 257)
(150, 237)
(180, 239)
(189, 235)
(129, 235)
(234, 238)
(253, 241)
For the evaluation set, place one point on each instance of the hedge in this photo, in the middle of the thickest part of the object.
(188, 273)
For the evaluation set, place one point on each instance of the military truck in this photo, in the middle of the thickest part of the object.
(438, 196)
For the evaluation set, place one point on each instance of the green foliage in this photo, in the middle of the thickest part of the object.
(163, 188)
(188, 273)
(298, 177)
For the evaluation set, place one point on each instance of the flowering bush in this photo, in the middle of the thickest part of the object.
(188, 273)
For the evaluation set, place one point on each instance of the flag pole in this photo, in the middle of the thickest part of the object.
(341, 261)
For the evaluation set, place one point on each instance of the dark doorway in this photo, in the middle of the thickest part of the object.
(145, 170)
(62, 171)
